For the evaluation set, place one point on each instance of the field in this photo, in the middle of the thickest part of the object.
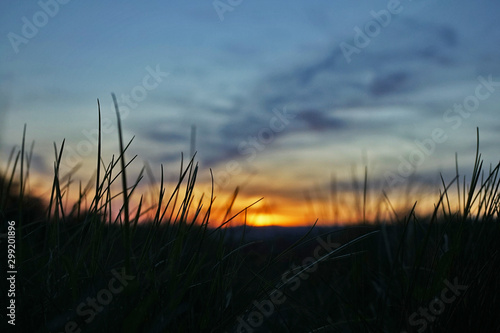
(85, 270)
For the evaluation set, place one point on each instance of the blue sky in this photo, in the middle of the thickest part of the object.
(230, 68)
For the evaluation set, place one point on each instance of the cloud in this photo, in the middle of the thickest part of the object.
(318, 121)
(385, 75)
(167, 157)
(390, 83)
(167, 137)
(317, 88)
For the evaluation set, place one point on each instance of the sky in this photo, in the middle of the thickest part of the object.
(291, 101)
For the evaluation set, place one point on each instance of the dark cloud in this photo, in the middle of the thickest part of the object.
(389, 83)
(448, 36)
(315, 120)
(218, 156)
(164, 136)
(168, 157)
(381, 75)
(248, 123)
(391, 65)
(306, 74)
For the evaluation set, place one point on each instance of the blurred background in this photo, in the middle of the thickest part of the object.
(302, 103)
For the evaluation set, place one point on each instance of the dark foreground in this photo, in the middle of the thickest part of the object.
(414, 277)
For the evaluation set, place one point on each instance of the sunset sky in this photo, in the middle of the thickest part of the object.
(285, 96)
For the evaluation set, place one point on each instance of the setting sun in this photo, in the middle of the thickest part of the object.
(262, 220)
(190, 154)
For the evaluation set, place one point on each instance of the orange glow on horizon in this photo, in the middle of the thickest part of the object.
(267, 212)
(261, 220)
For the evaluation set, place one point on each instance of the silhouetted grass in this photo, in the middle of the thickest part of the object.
(183, 276)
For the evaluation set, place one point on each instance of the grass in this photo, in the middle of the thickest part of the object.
(86, 269)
